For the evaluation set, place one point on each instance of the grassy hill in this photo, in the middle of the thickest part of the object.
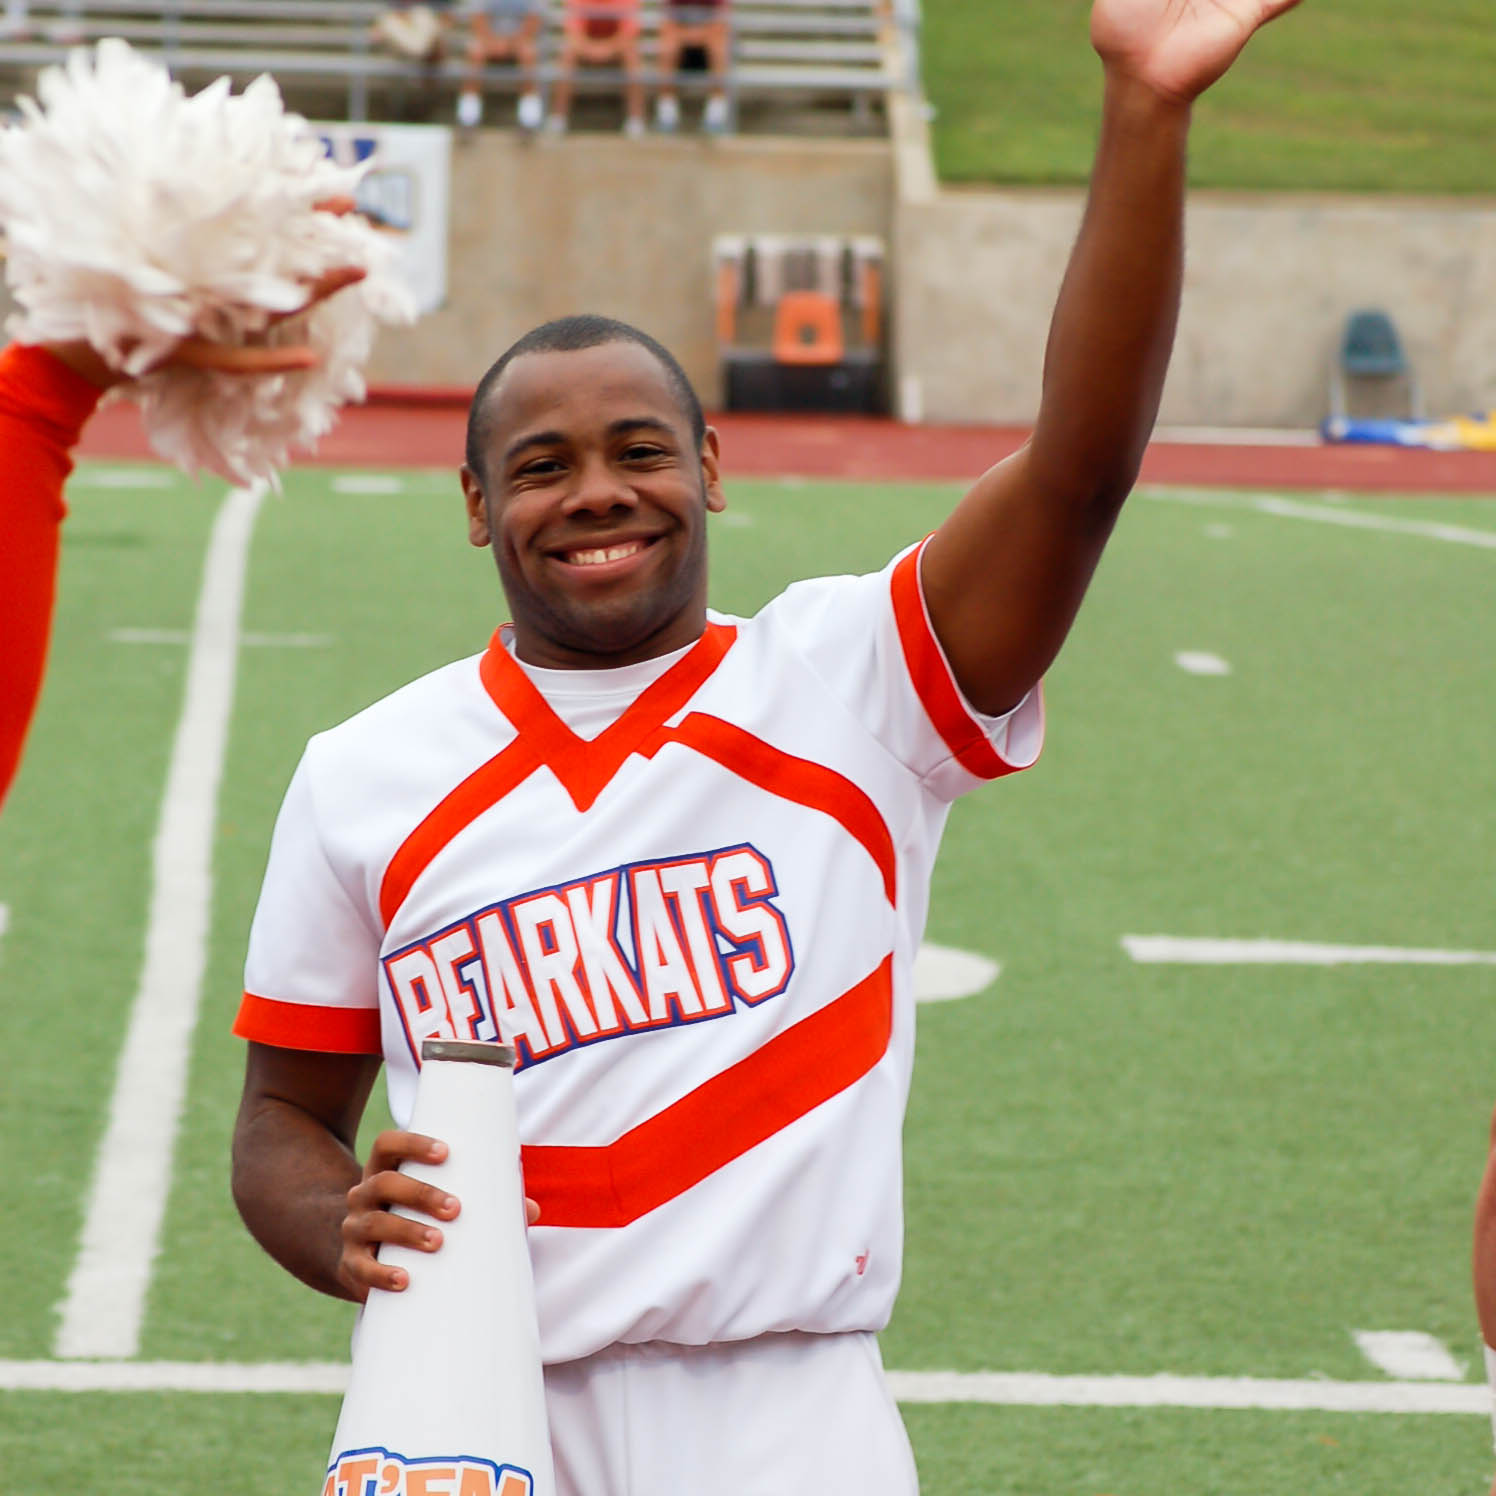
(1361, 95)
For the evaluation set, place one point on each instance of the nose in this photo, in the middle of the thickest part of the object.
(599, 489)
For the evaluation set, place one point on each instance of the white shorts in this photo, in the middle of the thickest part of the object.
(782, 1415)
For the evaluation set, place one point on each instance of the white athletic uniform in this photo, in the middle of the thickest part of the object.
(689, 892)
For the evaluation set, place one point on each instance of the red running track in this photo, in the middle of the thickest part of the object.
(429, 433)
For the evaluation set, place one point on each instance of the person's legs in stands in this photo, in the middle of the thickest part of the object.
(633, 71)
(716, 38)
(506, 30)
(527, 54)
(67, 29)
(671, 45)
(573, 40)
(16, 24)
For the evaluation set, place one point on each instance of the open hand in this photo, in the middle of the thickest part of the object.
(1177, 47)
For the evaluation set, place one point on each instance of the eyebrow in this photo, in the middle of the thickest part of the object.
(621, 427)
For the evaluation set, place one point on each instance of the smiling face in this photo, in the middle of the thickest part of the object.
(594, 496)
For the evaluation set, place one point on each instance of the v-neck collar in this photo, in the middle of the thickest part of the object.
(585, 766)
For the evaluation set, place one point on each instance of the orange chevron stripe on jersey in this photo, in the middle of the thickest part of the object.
(932, 677)
(308, 1026)
(484, 787)
(737, 1109)
(799, 779)
(585, 767)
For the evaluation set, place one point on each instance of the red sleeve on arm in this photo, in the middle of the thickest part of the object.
(43, 405)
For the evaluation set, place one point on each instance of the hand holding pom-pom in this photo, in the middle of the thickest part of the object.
(187, 244)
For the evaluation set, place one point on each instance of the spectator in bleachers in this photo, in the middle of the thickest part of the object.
(694, 23)
(600, 33)
(502, 31)
(65, 30)
(411, 31)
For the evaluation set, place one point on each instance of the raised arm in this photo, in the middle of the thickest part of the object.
(46, 395)
(1004, 575)
(43, 406)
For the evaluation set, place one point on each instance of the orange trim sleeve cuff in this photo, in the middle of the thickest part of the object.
(310, 1026)
(37, 386)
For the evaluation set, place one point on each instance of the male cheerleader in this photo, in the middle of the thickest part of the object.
(681, 862)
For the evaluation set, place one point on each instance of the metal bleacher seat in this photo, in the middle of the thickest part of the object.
(841, 52)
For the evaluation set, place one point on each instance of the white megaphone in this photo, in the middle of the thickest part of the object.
(446, 1396)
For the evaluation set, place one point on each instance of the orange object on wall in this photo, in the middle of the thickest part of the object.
(808, 329)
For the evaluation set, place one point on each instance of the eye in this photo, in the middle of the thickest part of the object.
(642, 451)
(539, 467)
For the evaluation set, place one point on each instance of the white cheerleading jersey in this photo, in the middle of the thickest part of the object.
(697, 928)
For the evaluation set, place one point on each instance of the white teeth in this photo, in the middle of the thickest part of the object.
(611, 553)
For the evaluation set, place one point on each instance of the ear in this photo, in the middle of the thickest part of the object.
(477, 509)
(711, 470)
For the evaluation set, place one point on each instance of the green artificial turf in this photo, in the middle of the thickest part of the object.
(1111, 1168)
(1339, 95)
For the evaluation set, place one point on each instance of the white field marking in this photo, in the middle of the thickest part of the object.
(1220, 532)
(1190, 950)
(1033, 1389)
(1326, 514)
(942, 973)
(1030, 1389)
(4, 917)
(125, 478)
(181, 636)
(1409, 1355)
(105, 1300)
(286, 641)
(149, 636)
(735, 519)
(173, 1376)
(1238, 436)
(1198, 662)
(368, 483)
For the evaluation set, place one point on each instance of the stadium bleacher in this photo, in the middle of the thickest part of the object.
(835, 59)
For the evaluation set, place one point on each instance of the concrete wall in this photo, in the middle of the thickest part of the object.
(623, 227)
(1269, 280)
(601, 223)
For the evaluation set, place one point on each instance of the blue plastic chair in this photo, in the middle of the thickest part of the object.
(1370, 349)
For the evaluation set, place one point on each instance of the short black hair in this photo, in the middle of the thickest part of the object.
(570, 335)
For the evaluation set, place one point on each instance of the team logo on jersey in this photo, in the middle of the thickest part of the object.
(643, 946)
(381, 1472)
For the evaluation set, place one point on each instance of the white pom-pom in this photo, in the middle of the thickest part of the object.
(135, 215)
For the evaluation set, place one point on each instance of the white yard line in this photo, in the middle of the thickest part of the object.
(106, 1294)
(1409, 1355)
(1191, 950)
(142, 477)
(1033, 1389)
(149, 636)
(1325, 514)
(1023, 1389)
(1199, 662)
(368, 483)
(181, 636)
